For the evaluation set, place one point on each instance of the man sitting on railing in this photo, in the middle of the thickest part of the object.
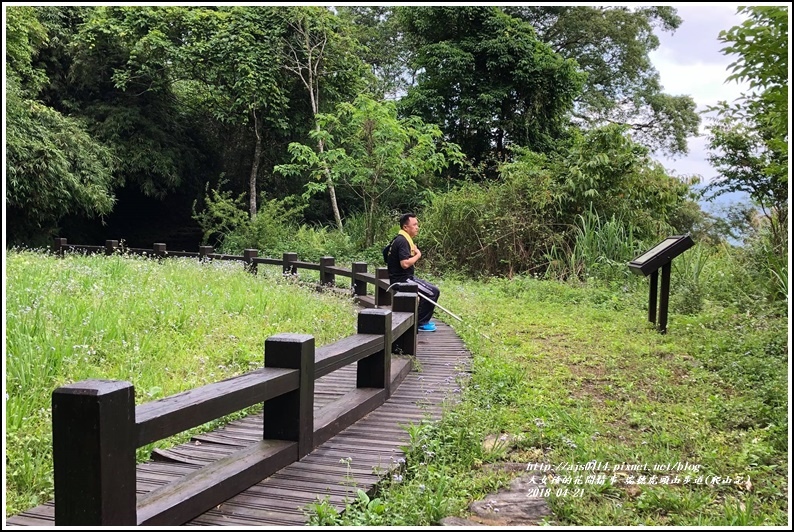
(401, 256)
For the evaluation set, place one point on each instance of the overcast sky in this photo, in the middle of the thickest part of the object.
(690, 62)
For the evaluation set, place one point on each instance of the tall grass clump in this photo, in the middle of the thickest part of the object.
(165, 327)
(690, 271)
(601, 249)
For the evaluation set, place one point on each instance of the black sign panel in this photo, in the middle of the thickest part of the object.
(661, 254)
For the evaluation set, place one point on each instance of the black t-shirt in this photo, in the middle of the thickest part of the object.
(400, 250)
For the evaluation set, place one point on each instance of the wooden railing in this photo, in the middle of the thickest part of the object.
(97, 428)
(289, 262)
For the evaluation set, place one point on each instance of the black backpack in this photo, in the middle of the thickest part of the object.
(386, 252)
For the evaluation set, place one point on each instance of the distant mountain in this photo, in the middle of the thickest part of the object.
(719, 204)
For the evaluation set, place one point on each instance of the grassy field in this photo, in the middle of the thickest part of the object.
(563, 375)
(683, 429)
(165, 327)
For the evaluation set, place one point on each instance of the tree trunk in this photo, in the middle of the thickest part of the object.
(254, 171)
(331, 189)
(309, 72)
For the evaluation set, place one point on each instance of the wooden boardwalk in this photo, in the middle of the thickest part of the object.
(356, 458)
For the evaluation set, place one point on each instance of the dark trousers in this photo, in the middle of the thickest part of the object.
(428, 290)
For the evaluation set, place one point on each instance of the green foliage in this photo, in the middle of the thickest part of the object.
(769, 260)
(749, 140)
(276, 229)
(612, 45)
(690, 281)
(761, 43)
(321, 50)
(605, 170)
(323, 55)
(313, 242)
(222, 214)
(384, 227)
(530, 216)
(24, 35)
(370, 151)
(123, 66)
(321, 513)
(54, 167)
(225, 222)
(601, 249)
(487, 79)
(733, 222)
(222, 55)
(490, 228)
(384, 49)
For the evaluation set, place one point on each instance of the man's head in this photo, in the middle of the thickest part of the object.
(409, 224)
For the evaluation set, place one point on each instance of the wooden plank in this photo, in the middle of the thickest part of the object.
(337, 355)
(93, 453)
(336, 270)
(267, 260)
(218, 518)
(369, 278)
(291, 416)
(365, 300)
(306, 265)
(346, 410)
(227, 439)
(160, 419)
(401, 322)
(209, 486)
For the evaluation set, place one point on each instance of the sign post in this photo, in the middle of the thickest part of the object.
(660, 256)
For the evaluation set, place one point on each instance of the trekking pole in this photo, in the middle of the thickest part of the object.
(439, 306)
(442, 308)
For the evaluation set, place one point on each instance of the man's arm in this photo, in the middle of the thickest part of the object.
(410, 261)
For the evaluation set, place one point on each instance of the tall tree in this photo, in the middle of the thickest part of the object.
(229, 58)
(121, 82)
(488, 80)
(322, 54)
(54, 167)
(611, 44)
(749, 140)
(385, 49)
(371, 151)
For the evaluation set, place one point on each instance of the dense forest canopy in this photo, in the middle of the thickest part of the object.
(554, 109)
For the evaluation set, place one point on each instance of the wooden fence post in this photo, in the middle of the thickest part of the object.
(158, 250)
(359, 287)
(327, 278)
(375, 370)
(58, 246)
(291, 416)
(205, 252)
(111, 246)
(93, 451)
(406, 299)
(289, 268)
(382, 297)
(248, 256)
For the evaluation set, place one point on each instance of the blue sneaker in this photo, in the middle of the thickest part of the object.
(428, 327)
